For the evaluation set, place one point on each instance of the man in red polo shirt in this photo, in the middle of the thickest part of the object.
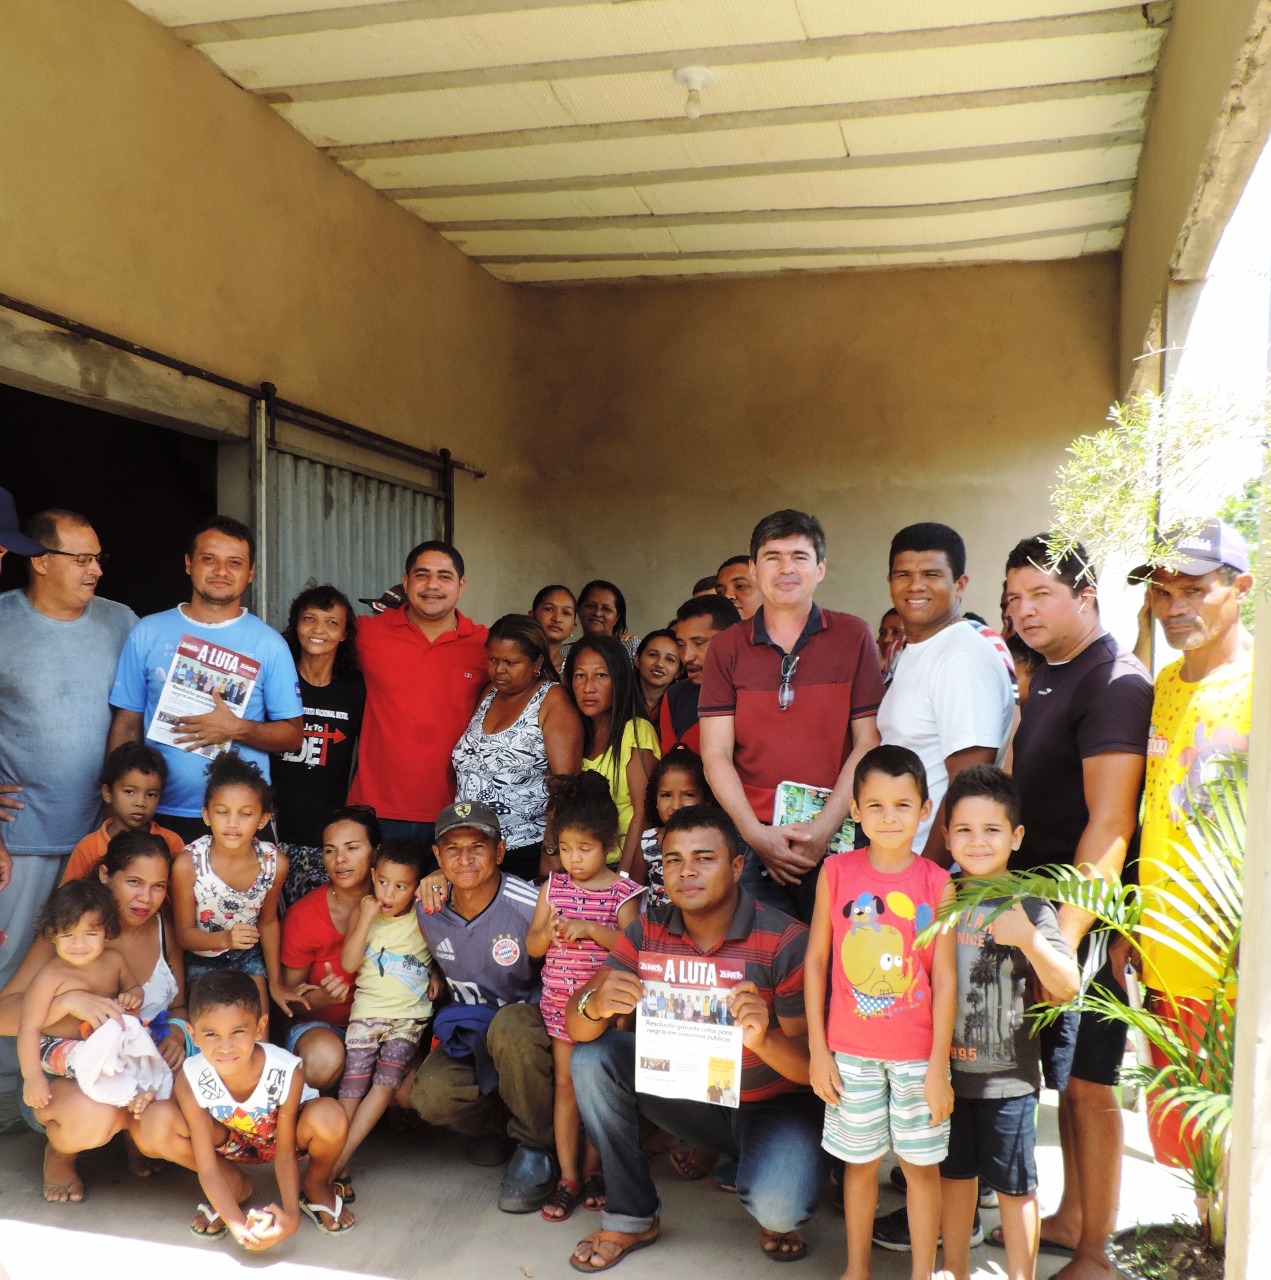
(425, 667)
(791, 695)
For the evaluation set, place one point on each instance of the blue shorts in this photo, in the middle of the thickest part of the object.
(994, 1139)
(297, 1029)
(251, 961)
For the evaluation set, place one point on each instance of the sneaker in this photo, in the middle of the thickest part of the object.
(897, 1179)
(891, 1231)
(988, 1197)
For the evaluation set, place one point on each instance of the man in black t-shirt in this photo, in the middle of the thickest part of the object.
(697, 622)
(1079, 758)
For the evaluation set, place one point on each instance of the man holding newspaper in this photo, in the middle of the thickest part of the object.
(206, 674)
(714, 942)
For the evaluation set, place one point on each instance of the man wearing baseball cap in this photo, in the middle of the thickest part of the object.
(1201, 712)
(490, 1076)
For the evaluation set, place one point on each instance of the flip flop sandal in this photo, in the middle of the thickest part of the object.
(798, 1246)
(314, 1213)
(613, 1246)
(564, 1200)
(69, 1187)
(211, 1218)
(688, 1163)
(594, 1197)
(344, 1187)
(1052, 1247)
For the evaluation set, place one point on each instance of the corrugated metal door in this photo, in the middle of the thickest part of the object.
(332, 524)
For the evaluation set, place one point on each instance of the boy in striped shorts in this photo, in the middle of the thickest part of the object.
(880, 1055)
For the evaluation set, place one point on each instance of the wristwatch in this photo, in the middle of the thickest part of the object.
(582, 1005)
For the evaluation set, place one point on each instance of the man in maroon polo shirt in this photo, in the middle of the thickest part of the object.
(791, 695)
(425, 667)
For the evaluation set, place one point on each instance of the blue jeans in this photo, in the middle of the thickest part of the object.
(796, 900)
(777, 1143)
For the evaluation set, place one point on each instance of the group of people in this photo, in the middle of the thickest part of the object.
(428, 855)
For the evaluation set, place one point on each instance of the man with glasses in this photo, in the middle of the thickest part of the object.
(221, 563)
(790, 695)
(60, 643)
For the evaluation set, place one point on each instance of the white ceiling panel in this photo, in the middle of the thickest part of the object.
(934, 228)
(841, 17)
(446, 113)
(748, 87)
(617, 155)
(589, 146)
(504, 39)
(863, 78)
(177, 13)
(615, 202)
(919, 184)
(986, 126)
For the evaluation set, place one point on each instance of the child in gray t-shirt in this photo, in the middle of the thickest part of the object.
(994, 1060)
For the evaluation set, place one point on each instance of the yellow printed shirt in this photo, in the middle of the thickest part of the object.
(393, 979)
(639, 734)
(1197, 730)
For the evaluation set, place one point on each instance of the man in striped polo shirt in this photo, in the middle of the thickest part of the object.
(775, 1134)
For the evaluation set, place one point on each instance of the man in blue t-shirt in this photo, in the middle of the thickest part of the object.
(221, 563)
(60, 641)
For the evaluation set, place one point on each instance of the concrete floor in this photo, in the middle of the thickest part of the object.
(423, 1211)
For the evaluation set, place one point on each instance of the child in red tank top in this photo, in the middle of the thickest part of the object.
(880, 1053)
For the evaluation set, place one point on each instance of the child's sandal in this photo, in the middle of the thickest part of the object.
(594, 1197)
(344, 1186)
(213, 1227)
(562, 1202)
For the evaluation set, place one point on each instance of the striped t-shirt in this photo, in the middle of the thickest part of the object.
(767, 942)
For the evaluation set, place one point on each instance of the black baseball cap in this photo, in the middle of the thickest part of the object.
(468, 813)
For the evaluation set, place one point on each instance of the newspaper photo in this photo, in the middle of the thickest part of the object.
(198, 669)
(687, 1045)
(799, 802)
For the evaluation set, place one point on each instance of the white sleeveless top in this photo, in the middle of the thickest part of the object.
(160, 988)
(507, 770)
(217, 905)
(251, 1123)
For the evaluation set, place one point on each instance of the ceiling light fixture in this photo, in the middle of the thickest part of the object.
(695, 79)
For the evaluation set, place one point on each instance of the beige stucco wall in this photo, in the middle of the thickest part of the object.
(143, 193)
(680, 414)
(1208, 121)
(630, 432)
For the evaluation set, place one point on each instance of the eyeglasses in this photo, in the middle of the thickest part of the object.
(81, 558)
(785, 694)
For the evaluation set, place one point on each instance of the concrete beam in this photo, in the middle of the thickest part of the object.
(770, 168)
(354, 17)
(753, 217)
(889, 250)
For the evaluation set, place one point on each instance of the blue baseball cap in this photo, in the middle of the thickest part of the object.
(11, 537)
